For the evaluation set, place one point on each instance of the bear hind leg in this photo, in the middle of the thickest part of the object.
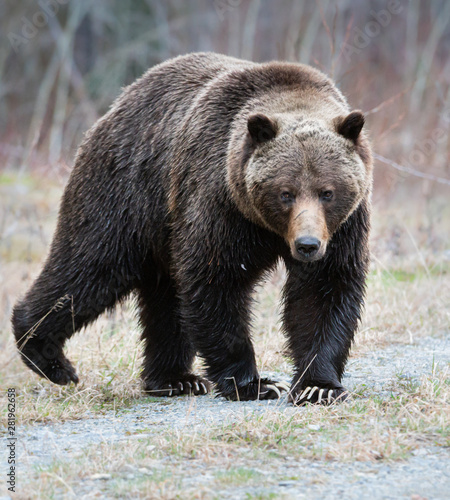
(41, 325)
(62, 300)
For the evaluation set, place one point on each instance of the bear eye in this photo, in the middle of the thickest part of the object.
(286, 196)
(326, 195)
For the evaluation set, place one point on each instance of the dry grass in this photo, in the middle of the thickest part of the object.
(252, 450)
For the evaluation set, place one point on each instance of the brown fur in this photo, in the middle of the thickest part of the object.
(179, 194)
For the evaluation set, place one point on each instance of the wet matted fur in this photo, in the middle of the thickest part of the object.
(204, 173)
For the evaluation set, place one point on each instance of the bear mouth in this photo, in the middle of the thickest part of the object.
(300, 258)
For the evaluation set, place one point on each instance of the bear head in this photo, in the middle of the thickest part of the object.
(301, 177)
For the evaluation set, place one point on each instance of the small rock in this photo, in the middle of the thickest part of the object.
(419, 452)
(100, 476)
(287, 483)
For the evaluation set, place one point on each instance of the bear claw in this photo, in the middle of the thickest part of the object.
(316, 395)
(284, 386)
(190, 385)
(261, 389)
(274, 388)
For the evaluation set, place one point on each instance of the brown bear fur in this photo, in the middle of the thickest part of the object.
(204, 173)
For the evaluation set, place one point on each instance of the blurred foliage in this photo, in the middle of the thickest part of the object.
(64, 61)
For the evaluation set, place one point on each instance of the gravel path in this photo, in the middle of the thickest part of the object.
(423, 477)
(426, 474)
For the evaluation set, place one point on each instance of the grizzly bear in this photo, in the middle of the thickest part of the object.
(203, 175)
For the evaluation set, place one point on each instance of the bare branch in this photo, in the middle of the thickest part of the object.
(411, 171)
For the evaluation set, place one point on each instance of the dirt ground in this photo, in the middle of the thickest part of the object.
(425, 473)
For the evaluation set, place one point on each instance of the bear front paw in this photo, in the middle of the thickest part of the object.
(188, 384)
(315, 394)
(257, 389)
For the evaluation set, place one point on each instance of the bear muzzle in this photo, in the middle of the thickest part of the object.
(307, 233)
(308, 248)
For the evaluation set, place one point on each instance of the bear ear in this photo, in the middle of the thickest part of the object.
(351, 125)
(261, 128)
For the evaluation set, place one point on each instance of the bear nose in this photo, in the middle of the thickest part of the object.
(307, 246)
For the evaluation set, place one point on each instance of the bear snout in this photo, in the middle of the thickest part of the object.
(308, 248)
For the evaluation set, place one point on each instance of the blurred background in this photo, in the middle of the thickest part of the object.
(63, 62)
